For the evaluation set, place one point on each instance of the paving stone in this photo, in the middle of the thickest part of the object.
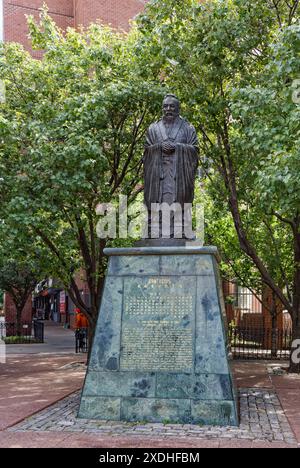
(272, 425)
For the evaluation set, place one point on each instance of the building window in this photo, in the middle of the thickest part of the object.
(247, 302)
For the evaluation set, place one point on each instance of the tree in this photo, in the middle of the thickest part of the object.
(71, 136)
(233, 64)
(1, 299)
(19, 281)
(22, 266)
(237, 267)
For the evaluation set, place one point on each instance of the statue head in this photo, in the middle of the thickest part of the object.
(171, 107)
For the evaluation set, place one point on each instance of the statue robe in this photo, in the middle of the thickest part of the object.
(185, 163)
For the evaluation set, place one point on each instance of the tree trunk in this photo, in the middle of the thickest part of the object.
(274, 323)
(96, 297)
(18, 323)
(274, 336)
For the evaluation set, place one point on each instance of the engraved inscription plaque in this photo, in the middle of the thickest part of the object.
(158, 324)
(160, 348)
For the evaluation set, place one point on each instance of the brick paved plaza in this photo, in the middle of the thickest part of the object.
(39, 397)
(262, 419)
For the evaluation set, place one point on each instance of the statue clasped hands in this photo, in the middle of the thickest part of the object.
(168, 147)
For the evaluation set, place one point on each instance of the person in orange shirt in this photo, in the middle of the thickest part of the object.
(81, 334)
(80, 319)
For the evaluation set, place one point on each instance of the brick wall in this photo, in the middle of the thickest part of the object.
(83, 287)
(268, 301)
(10, 310)
(114, 12)
(229, 290)
(66, 13)
(15, 24)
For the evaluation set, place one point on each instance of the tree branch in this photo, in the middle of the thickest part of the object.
(56, 252)
(283, 219)
(285, 279)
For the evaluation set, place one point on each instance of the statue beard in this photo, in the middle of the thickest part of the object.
(170, 119)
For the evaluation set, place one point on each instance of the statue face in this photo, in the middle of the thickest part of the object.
(170, 108)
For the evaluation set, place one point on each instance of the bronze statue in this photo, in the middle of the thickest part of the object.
(170, 159)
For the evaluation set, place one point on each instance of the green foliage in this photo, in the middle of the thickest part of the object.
(267, 125)
(72, 133)
(233, 63)
(16, 276)
(71, 136)
(19, 278)
(20, 340)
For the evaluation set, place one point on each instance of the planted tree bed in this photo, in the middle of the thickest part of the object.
(21, 340)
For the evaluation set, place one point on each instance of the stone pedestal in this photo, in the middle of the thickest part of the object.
(160, 352)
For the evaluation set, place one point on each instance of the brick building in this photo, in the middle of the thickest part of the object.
(54, 302)
(10, 310)
(245, 309)
(66, 13)
(115, 12)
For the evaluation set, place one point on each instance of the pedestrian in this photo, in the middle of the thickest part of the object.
(81, 325)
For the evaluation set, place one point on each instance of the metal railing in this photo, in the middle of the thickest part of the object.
(81, 340)
(245, 343)
(24, 332)
(249, 343)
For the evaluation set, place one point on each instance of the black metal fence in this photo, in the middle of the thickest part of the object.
(245, 343)
(25, 332)
(81, 340)
(249, 343)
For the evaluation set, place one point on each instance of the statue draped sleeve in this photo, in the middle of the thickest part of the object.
(152, 167)
(186, 166)
(186, 156)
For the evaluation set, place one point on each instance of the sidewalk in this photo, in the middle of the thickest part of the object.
(29, 384)
(58, 340)
(287, 388)
(35, 375)
(40, 382)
